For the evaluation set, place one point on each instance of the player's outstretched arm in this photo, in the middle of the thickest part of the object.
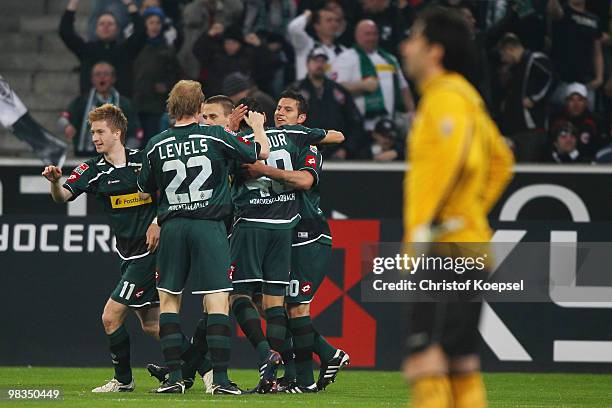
(256, 121)
(59, 193)
(297, 179)
(332, 137)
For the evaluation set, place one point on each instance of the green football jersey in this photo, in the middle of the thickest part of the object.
(267, 203)
(189, 165)
(312, 226)
(116, 189)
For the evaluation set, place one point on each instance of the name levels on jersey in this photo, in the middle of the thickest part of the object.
(186, 148)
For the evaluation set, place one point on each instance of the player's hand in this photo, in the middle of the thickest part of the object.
(255, 170)
(153, 237)
(254, 119)
(369, 84)
(236, 117)
(216, 29)
(528, 103)
(69, 132)
(52, 173)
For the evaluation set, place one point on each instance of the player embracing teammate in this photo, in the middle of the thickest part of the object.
(281, 246)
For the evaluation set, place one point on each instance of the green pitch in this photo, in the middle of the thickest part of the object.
(352, 389)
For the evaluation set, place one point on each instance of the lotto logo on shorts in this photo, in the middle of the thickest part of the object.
(311, 161)
(156, 275)
(139, 293)
(231, 270)
(305, 288)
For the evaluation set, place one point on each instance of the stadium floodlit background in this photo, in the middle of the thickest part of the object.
(543, 70)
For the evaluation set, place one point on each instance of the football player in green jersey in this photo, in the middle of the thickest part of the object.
(111, 178)
(266, 211)
(188, 164)
(310, 258)
(217, 110)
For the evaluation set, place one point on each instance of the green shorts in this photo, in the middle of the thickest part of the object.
(260, 260)
(137, 285)
(309, 265)
(195, 249)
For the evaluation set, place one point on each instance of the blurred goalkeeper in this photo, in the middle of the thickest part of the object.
(460, 165)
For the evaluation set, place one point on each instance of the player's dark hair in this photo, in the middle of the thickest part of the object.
(225, 102)
(302, 104)
(447, 28)
(252, 104)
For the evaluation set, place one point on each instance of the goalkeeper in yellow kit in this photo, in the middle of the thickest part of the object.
(460, 165)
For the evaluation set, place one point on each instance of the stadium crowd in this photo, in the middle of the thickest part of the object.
(542, 67)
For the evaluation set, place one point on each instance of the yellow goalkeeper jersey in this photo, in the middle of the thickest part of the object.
(459, 164)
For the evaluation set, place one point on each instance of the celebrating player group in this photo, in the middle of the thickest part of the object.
(235, 213)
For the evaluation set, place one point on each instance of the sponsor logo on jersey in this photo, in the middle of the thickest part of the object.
(139, 293)
(244, 140)
(73, 177)
(128, 200)
(228, 130)
(311, 161)
(305, 288)
(113, 181)
(302, 234)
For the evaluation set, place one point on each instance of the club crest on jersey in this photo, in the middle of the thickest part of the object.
(305, 288)
(139, 293)
(302, 234)
(244, 140)
(314, 149)
(311, 161)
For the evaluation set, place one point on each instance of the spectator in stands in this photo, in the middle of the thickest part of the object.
(74, 124)
(590, 130)
(373, 76)
(155, 71)
(576, 47)
(239, 86)
(114, 7)
(272, 16)
(107, 48)
(330, 107)
(199, 17)
(391, 24)
(523, 111)
(326, 24)
(386, 143)
(223, 52)
(564, 146)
